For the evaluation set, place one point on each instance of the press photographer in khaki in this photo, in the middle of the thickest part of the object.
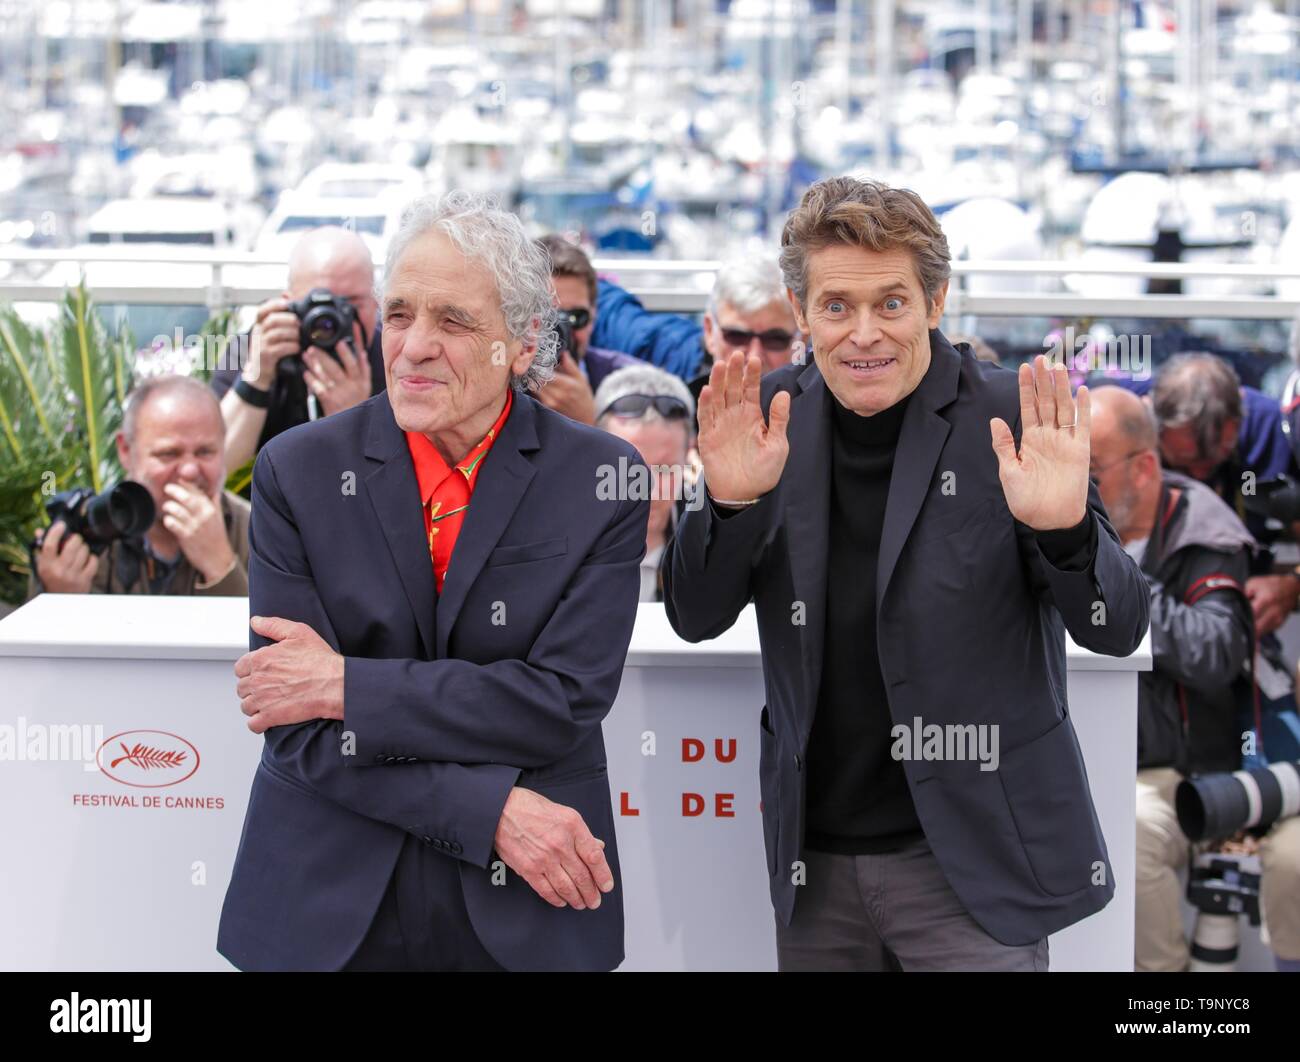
(171, 443)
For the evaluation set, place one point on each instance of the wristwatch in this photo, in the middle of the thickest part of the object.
(254, 396)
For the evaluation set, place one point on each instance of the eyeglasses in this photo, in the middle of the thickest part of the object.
(579, 316)
(1094, 474)
(666, 406)
(773, 341)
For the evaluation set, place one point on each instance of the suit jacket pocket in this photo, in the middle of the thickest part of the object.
(283, 779)
(528, 551)
(1046, 788)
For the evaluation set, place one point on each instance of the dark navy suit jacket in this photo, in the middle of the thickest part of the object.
(450, 700)
(970, 626)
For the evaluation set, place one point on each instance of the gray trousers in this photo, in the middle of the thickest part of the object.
(889, 912)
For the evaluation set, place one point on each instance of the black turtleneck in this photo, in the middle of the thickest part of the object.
(858, 799)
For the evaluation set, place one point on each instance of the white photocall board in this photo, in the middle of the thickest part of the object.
(125, 767)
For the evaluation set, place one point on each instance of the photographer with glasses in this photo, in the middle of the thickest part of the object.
(581, 367)
(654, 411)
(747, 311)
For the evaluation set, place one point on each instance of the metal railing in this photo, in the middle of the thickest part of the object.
(645, 278)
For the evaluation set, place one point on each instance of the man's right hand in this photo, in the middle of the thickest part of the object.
(274, 336)
(550, 847)
(743, 456)
(70, 570)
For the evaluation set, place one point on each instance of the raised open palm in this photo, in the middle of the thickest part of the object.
(743, 455)
(1046, 483)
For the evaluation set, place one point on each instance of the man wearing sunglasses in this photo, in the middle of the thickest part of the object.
(654, 411)
(748, 311)
(581, 367)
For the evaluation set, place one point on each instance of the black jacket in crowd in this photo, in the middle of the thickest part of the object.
(1196, 563)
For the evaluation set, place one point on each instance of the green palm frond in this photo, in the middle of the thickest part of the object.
(90, 357)
(240, 481)
(62, 393)
(22, 485)
(18, 347)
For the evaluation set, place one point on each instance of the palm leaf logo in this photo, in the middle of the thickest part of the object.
(146, 757)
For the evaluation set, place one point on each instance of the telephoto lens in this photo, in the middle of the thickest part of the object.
(1218, 805)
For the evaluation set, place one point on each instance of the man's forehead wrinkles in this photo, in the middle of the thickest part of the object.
(436, 301)
(855, 278)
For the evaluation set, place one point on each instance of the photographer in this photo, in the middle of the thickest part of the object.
(653, 410)
(172, 443)
(272, 391)
(1229, 438)
(1196, 555)
(581, 367)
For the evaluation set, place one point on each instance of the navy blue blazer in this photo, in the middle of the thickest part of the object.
(971, 621)
(449, 700)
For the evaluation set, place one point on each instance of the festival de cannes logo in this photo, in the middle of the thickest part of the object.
(147, 759)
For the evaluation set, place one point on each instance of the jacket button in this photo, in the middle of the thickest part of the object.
(798, 762)
(456, 848)
(427, 839)
(379, 757)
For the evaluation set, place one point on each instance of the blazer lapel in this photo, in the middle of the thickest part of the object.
(395, 496)
(807, 479)
(500, 486)
(920, 442)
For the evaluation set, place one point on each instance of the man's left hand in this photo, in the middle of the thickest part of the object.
(1046, 483)
(337, 386)
(1272, 599)
(568, 392)
(200, 528)
(298, 678)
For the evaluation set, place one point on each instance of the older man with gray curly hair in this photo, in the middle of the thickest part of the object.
(441, 606)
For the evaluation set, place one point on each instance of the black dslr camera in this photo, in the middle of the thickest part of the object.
(563, 329)
(1276, 499)
(123, 511)
(324, 319)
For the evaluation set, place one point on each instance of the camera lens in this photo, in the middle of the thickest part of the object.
(123, 511)
(324, 329)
